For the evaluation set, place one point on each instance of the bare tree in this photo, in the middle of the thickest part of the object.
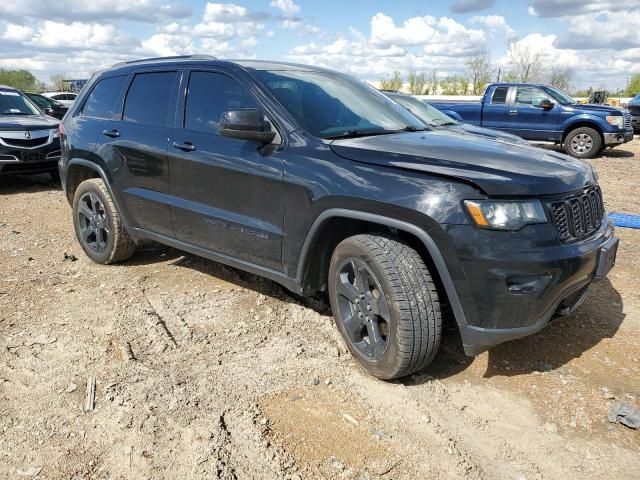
(417, 83)
(479, 69)
(392, 83)
(526, 62)
(433, 83)
(57, 83)
(559, 76)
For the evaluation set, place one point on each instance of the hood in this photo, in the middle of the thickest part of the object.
(497, 168)
(488, 133)
(27, 122)
(588, 107)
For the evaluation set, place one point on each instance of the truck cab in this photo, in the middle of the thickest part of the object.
(542, 113)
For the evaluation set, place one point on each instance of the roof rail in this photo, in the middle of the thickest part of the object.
(175, 57)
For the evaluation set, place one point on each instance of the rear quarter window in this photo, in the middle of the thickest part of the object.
(499, 95)
(102, 100)
(148, 98)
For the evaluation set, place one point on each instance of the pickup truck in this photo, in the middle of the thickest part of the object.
(542, 113)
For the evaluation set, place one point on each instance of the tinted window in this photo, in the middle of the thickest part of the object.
(209, 95)
(329, 104)
(148, 98)
(500, 95)
(529, 96)
(102, 100)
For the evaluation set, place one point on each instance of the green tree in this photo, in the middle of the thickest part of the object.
(392, 83)
(417, 83)
(633, 86)
(22, 79)
(454, 85)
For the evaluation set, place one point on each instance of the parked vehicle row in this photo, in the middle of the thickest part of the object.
(321, 183)
(634, 110)
(544, 113)
(29, 140)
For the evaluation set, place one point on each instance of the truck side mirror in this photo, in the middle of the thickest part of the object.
(246, 124)
(547, 104)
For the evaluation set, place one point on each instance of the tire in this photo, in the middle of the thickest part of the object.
(393, 325)
(583, 142)
(99, 228)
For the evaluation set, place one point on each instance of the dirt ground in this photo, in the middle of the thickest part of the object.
(203, 371)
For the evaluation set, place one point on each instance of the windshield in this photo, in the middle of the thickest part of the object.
(425, 112)
(562, 97)
(332, 105)
(14, 103)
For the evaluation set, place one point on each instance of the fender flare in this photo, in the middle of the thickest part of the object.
(102, 174)
(594, 121)
(424, 237)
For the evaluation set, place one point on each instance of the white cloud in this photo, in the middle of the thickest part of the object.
(442, 36)
(227, 21)
(602, 30)
(147, 11)
(287, 6)
(495, 23)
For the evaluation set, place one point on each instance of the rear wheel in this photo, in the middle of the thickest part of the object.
(583, 142)
(98, 226)
(385, 304)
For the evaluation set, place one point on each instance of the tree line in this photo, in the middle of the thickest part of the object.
(525, 65)
(26, 81)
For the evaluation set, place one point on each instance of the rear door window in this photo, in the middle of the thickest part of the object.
(102, 100)
(499, 95)
(149, 97)
(209, 95)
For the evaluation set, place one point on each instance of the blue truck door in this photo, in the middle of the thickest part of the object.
(528, 119)
(495, 109)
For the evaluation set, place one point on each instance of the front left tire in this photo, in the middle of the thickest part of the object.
(385, 304)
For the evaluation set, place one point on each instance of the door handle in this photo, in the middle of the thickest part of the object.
(513, 112)
(111, 133)
(186, 146)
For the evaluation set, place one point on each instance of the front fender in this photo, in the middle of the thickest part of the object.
(585, 118)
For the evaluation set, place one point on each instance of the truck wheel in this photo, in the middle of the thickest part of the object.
(583, 142)
(385, 304)
(98, 226)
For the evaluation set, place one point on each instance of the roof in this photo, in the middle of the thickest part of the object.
(246, 64)
(7, 87)
(507, 84)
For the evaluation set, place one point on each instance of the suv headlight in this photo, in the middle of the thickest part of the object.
(616, 120)
(505, 215)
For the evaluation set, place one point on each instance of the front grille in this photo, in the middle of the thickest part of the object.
(24, 143)
(579, 215)
(627, 120)
(634, 110)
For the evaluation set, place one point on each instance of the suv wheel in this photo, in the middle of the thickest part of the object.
(583, 142)
(385, 304)
(98, 226)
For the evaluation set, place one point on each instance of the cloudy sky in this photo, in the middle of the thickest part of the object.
(600, 39)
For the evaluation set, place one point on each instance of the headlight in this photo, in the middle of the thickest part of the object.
(505, 215)
(616, 120)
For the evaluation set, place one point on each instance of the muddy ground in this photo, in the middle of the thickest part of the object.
(203, 371)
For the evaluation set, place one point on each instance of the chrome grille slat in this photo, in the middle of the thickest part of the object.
(579, 215)
(627, 120)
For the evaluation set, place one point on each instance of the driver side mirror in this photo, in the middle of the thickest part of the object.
(48, 111)
(547, 104)
(246, 124)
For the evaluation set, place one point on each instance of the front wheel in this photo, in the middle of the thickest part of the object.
(385, 304)
(98, 225)
(583, 142)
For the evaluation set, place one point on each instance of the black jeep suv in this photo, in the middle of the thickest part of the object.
(28, 138)
(321, 183)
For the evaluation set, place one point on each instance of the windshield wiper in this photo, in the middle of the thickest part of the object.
(412, 128)
(359, 133)
(17, 113)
